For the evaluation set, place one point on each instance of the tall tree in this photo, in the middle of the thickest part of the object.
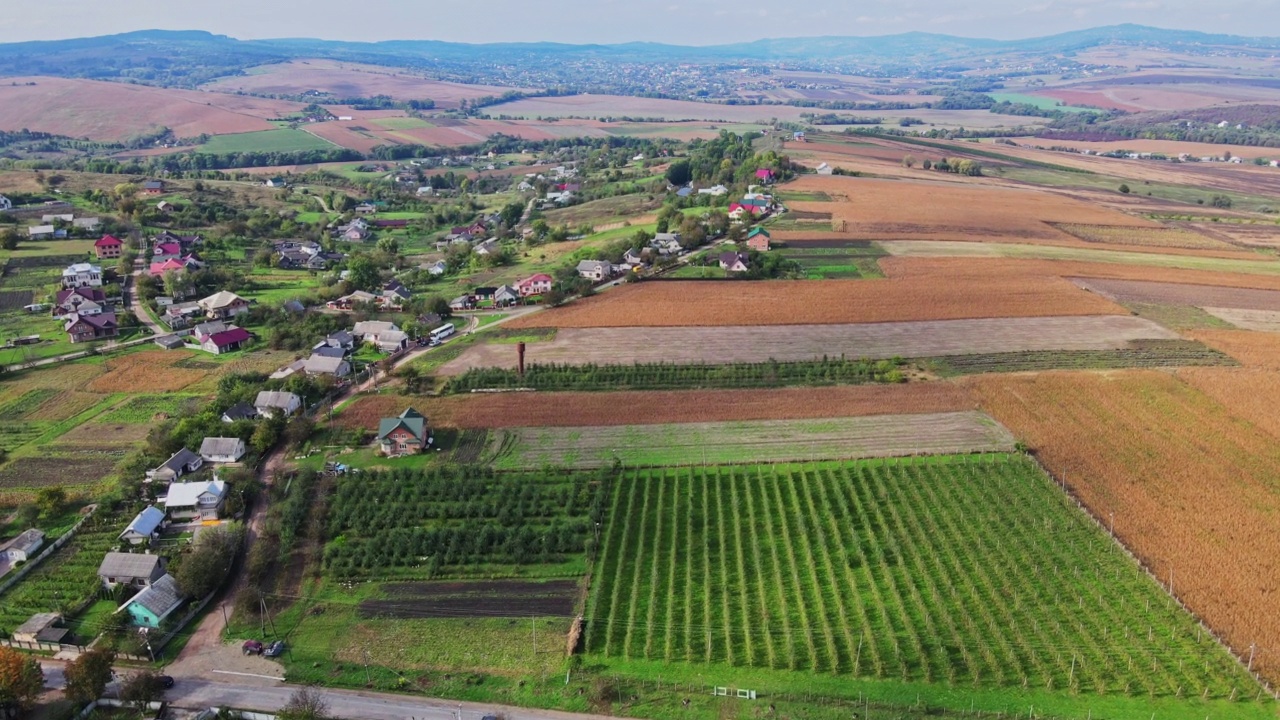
(307, 703)
(21, 680)
(88, 675)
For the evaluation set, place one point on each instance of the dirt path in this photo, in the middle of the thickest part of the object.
(135, 304)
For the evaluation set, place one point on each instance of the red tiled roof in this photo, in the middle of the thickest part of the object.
(107, 241)
(227, 337)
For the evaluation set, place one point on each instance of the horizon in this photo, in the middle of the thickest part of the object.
(673, 22)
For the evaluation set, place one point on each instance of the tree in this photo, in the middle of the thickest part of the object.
(306, 703)
(88, 675)
(9, 240)
(51, 499)
(908, 161)
(389, 245)
(204, 569)
(299, 430)
(363, 275)
(679, 173)
(141, 689)
(1124, 189)
(21, 679)
(1220, 201)
(927, 165)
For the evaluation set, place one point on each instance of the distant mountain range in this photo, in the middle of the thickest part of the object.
(191, 57)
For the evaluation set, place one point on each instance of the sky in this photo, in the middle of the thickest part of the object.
(685, 22)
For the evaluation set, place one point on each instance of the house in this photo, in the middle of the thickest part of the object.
(186, 264)
(825, 169)
(23, 547)
(223, 305)
(346, 302)
(737, 210)
(484, 293)
(41, 232)
(463, 302)
(130, 569)
(369, 330)
(41, 628)
(439, 268)
(406, 434)
(392, 341)
(506, 296)
(180, 315)
(153, 187)
(5, 204)
(319, 364)
(488, 247)
(270, 402)
(82, 275)
(229, 340)
(430, 320)
(222, 449)
(86, 328)
(288, 370)
(595, 270)
(714, 191)
(89, 224)
(168, 250)
(294, 307)
(149, 608)
(397, 289)
(758, 239)
(108, 247)
(276, 182)
(195, 500)
(169, 342)
(734, 262)
(239, 411)
(535, 285)
(144, 527)
(85, 301)
(180, 463)
(341, 339)
(166, 207)
(798, 136)
(632, 258)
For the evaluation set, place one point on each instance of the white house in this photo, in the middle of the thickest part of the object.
(5, 204)
(143, 527)
(596, 270)
(41, 231)
(82, 275)
(714, 191)
(23, 547)
(269, 402)
(371, 331)
(221, 449)
(197, 500)
(322, 365)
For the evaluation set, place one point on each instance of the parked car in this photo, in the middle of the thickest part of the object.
(275, 650)
(252, 647)
(166, 681)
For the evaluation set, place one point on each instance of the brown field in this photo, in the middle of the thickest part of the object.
(342, 133)
(364, 412)
(116, 111)
(65, 405)
(147, 371)
(1252, 349)
(1249, 393)
(1126, 291)
(1172, 148)
(1253, 235)
(103, 436)
(785, 343)
(1143, 237)
(1193, 489)
(979, 270)
(349, 80)
(495, 410)
(928, 296)
(1169, 96)
(483, 599)
(598, 106)
(1259, 320)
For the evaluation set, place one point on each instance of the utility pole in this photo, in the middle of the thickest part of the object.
(534, 620)
(367, 677)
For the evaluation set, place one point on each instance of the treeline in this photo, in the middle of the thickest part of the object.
(664, 376)
(1250, 125)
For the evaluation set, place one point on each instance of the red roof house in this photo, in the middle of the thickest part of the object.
(108, 247)
(231, 339)
(535, 285)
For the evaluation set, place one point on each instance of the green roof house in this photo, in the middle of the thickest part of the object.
(407, 434)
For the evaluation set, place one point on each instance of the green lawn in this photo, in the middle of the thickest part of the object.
(400, 123)
(1044, 103)
(283, 140)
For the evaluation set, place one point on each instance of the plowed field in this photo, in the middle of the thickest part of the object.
(719, 345)
(147, 371)
(364, 412)
(1193, 489)
(646, 408)
(931, 296)
(496, 598)
(1127, 291)
(970, 270)
(1260, 320)
(1252, 349)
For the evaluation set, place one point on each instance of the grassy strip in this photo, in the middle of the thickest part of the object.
(967, 150)
(1144, 354)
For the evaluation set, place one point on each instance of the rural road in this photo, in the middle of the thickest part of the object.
(135, 306)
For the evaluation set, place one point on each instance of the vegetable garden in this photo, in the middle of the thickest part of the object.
(664, 376)
(966, 570)
(1142, 354)
(460, 521)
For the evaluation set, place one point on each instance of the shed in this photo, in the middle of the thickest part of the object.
(38, 628)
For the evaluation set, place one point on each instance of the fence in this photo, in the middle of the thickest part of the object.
(42, 646)
(13, 578)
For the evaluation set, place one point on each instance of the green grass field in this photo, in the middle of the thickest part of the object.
(400, 123)
(943, 572)
(1044, 103)
(283, 140)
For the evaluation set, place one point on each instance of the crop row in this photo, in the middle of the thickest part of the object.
(663, 376)
(1149, 354)
(964, 571)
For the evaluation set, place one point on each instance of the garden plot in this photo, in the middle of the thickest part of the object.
(749, 441)
(483, 599)
(720, 345)
(1260, 320)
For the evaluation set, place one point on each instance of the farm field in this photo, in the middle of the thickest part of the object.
(1137, 291)
(1139, 354)
(500, 410)
(901, 571)
(982, 270)
(752, 441)
(1144, 237)
(907, 297)
(719, 345)
(117, 111)
(282, 140)
(608, 106)
(1260, 320)
(850, 260)
(1241, 263)
(1190, 485)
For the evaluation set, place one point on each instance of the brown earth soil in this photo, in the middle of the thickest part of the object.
(1126, 291)
(495, 598)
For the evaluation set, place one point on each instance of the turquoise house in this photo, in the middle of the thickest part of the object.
(156, 602)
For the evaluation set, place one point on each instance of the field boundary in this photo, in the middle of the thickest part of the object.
(31, 565)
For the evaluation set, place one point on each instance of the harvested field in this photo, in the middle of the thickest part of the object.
(146, 371)
(980, 271)
(37, 472)
(1253, 349)
(1192, 488)
(1235, 262)
(105, 435)
(350, 80)
(65, 405)
(1253, 236)
(116, 111)
(494, 598)
(1138, 291)
(1259, 320)
(499, 410)
(749, 441)
(603, 106)
(365, 411)
(1251, 394)
(729, 344)
(685, 303)
(11, 300)
(346, 135)
(1143, 237)
(22, 406)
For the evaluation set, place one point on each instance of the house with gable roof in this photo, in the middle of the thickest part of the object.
(405, 434)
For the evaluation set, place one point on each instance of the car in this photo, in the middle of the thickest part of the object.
(252, 647)
(166, 681)
(275, 650)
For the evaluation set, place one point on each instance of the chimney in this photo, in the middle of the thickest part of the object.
(520, 359)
